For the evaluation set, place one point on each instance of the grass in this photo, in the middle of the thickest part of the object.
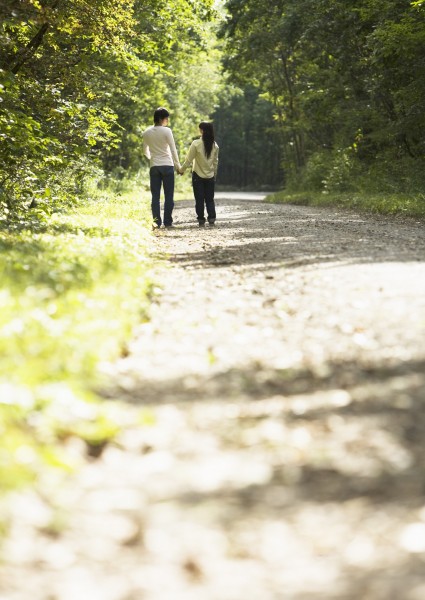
(389, 204)
(72, 290)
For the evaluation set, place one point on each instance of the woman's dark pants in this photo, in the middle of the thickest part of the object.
(203, 190)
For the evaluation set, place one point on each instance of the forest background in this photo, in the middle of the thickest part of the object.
(324, 99)
(311, 95)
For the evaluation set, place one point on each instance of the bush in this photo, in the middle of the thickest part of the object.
(72, 289)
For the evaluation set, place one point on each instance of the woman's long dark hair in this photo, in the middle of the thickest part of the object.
(207, 137)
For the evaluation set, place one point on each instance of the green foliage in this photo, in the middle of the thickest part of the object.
(50, 120)
(72, 289)
(78, 83)
(174, 62)
(346, 80)
(410, 205)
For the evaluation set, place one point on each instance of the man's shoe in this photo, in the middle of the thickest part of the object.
(201, 223)
(171, 226)
(211, 222)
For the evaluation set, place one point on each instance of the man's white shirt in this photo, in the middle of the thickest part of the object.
(159, 146)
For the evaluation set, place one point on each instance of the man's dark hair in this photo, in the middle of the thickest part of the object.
(160, 114)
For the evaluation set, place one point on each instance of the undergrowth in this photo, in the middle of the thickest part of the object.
(73, 285)
(390, 204)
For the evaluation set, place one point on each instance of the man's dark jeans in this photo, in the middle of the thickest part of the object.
(203, 190)
(162, 175)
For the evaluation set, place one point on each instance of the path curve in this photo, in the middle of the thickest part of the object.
(281, 456)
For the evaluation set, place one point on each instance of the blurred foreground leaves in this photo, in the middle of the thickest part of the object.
(72, 288)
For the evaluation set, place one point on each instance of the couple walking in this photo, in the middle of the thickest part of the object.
(159, 147)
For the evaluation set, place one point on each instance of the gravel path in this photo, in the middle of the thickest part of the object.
(281, 454)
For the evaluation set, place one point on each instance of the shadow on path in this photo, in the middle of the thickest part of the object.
(319, 467)
(296, 237)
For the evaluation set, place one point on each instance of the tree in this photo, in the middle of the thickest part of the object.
(76, 81)
(346, 79)
(249, 140)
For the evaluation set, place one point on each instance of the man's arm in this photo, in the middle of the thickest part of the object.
(146, 150)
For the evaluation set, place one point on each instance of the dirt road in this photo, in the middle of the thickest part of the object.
(282, 452)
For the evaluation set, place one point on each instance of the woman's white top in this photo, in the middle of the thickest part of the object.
(203, 166)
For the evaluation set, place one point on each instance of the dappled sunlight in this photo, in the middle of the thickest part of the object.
(290, 488)
(229, 408)
(292, 236)
(287, 422)
(269, 426)
(298, 490)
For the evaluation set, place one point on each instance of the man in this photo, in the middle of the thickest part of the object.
(159, 147)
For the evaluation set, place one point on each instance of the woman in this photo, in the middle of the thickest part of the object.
(203, 156)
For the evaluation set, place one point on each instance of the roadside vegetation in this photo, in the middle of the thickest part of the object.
(346, 83)
(73, 289)
(386, 204)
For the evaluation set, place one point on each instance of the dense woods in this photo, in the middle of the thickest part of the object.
(346, 80)
(251, 147)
